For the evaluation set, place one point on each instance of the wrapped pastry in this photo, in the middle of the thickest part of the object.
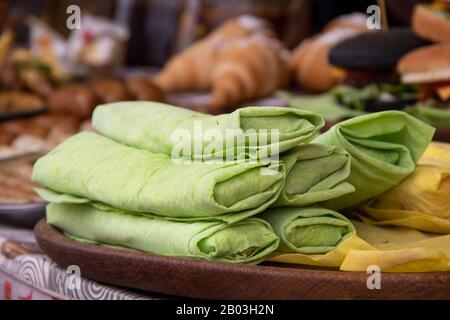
(421, 201)
(305, 184)
(247, 241)
(249, 68)
(392, 249)
(384, 146)
(110, 90)
(143, 89)
(90, 168)
(75, 99)
(310, 230)
(150, 126)
(396, 249)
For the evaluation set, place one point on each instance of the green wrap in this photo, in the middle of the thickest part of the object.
(384, 146)
(96, 168)
(247, 241)
(312, 230)
(431, 115)
(314, 173)
(150, 126)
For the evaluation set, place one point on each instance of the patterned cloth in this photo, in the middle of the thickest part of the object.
(26, 274)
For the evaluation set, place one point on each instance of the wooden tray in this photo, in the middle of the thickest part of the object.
(207, 280)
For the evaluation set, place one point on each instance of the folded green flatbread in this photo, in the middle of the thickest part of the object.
(96, 168)
(247, 241)
(345, 101)
(314, 173)
(161, 128)
(431, 115)
(324, 104)
(384, 146)
(311, 230)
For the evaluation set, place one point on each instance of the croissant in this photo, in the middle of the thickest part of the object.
(249, 68)
(243, 26)
(192, 68)
(354, 20)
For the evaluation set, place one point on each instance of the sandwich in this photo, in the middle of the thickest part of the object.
(432, 21)
(429, 68)
(367, 64)
(371, 57)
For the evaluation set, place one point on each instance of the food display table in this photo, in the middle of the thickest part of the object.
(28, 274)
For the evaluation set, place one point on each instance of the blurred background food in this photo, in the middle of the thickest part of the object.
(213, 56)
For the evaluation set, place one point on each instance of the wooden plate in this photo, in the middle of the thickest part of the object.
(207, 280)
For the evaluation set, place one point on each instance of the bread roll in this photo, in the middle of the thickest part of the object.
(51, 120)
(431, 24)
(310, 63)
(425, 65)
(144, 89)
(354, 20)
(75, 99)
(110, 90)
(23, 126)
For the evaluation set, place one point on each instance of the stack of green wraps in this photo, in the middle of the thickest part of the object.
(127, 191)
(123, 187)
(144, 200)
